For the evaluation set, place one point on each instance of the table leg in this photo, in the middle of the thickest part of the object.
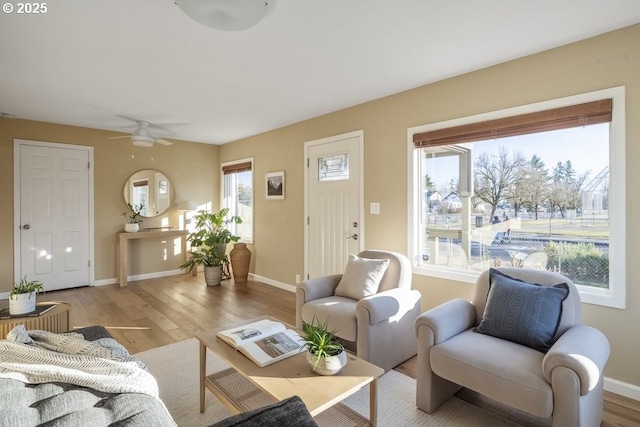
(122, 258)
(373, 403)
(203, 364)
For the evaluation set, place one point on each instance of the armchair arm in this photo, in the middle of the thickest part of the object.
(448, 319)
(320, 287)
(584, 350)
(387, 304)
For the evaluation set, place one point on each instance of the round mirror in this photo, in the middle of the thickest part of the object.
(152, 189)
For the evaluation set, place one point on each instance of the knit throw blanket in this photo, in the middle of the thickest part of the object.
(40, 357)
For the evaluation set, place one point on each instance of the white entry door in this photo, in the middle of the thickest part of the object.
(333, 203)
(52, 208)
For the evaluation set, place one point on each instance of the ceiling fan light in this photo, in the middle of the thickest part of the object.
(142, 141)
(226, 15)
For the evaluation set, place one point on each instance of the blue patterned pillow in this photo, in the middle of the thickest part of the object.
(522, 312)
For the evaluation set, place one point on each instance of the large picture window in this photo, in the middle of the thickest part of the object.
(237, 196)
(538, 186)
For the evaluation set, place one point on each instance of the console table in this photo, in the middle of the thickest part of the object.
(123, 247)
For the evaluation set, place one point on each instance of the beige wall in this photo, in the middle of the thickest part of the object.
(609, 60)
(191, 168)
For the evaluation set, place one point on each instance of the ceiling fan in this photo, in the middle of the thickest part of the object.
(141, 136)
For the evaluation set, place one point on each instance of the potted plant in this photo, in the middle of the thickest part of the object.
(133, 217)
(325, 353)
(209, 243)
(22, 297)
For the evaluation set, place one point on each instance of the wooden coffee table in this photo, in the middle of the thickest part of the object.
(246, 386)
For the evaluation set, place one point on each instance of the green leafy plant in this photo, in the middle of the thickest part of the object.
(211, 228)
(206, 256)
(210, 235)
(26, 287)
(133, 214)
(319, 341)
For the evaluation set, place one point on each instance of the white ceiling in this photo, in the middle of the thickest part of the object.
(96, 63)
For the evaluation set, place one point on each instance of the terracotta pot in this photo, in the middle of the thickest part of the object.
(327, 365)
(240, 261)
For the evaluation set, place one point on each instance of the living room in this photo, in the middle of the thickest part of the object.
(605, 61)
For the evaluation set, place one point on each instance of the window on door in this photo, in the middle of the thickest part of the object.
(237, 196)
(541, 189)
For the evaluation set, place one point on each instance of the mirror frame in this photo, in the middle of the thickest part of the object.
(154, 180)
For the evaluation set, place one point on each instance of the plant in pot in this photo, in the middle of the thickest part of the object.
(325, 353)
(22, 297)
(210, 239)
(209, 257)
(133, 217)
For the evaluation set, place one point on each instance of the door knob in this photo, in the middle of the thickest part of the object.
(354, 236)
(26, 226)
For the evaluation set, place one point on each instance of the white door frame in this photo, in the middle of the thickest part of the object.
(307, 145)
(17, 252)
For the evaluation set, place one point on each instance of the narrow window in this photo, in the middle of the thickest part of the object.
(237, 196)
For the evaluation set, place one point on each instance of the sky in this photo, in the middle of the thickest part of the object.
(587, 148)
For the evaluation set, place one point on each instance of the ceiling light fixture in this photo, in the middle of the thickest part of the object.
(226, 15)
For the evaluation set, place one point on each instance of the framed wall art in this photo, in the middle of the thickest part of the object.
(275, 185)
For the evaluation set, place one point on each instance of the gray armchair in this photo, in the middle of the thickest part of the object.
(378, 327)
(565, 383)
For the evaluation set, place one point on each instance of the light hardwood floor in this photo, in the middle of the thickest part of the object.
(156, 312)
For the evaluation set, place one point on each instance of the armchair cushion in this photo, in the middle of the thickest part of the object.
(502, 370)
(361, 277)
(522, 312)
(339, 313)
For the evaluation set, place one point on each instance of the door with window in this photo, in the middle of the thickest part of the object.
(52, 211)
(333, 203)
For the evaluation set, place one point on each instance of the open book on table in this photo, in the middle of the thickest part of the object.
(264, 342)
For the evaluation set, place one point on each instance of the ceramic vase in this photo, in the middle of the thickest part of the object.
(213, 275)
(240, 261)
(131, 228)
(327, 365)
(22, 303)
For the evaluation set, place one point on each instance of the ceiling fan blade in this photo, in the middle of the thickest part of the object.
(119, 137)
(163, 141)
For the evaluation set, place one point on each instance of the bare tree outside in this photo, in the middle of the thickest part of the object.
(495, 176)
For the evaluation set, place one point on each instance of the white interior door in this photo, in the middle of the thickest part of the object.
(53, 211)
(333, 203)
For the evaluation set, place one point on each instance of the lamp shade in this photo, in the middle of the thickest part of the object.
(226, 15)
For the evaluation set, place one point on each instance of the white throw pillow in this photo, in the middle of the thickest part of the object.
(361, 277)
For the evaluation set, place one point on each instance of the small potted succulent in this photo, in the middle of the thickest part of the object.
(325, 353)
(133, 217)
(22, 297)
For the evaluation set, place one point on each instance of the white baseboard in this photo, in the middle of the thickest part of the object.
(274, 283)
(153, 275)
(624, 389)
(105, 282)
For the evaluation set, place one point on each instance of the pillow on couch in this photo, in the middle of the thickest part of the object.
(288, 412)
(522, 312)
(361, 277)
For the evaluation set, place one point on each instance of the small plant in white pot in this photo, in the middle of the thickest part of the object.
(325, 353)
(133, 217)
(22, 298)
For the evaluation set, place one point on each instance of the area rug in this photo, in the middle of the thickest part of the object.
(176, 367)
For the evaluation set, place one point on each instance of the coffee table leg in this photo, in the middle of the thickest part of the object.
(373, 403)
(203, 364)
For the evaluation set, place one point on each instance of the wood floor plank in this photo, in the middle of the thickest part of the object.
(156, 312)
